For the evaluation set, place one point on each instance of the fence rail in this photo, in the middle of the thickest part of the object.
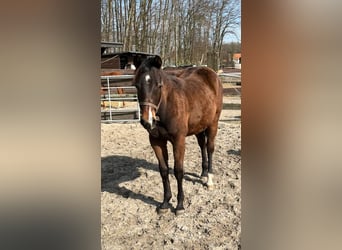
(234, 77)
(112, 100)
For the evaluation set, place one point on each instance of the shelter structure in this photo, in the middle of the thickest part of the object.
(112, 56)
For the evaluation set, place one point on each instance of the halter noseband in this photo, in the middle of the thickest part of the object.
(150, 104)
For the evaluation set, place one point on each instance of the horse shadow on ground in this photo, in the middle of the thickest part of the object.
(194, 178)
(234, 152)
(117, 169)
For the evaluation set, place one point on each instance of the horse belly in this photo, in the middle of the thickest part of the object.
(200, 120)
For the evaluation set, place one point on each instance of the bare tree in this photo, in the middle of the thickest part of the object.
(226, 19)
(182, 32)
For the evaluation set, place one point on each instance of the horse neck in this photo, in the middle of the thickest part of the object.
(164, 90)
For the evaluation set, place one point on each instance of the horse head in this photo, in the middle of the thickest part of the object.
(148, 81)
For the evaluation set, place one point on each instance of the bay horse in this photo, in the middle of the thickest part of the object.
(174, 106)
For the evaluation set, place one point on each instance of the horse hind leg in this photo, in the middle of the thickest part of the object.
(211, 134)
(201, 139)
(178, 152)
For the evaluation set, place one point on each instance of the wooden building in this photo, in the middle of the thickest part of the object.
(112, 57)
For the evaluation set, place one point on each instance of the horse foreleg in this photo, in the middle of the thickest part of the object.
(160, 149)
(178, 151)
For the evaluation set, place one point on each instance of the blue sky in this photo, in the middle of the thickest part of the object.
(235, 38)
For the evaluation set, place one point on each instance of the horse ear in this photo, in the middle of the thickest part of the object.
(137, 62)
(157, 62)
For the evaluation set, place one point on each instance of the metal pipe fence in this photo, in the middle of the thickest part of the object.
(111, 100)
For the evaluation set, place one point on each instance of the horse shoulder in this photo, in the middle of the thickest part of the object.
(175, 106)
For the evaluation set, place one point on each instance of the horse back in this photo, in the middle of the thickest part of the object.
(202, 76)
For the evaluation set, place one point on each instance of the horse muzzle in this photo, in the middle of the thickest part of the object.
(148, 117)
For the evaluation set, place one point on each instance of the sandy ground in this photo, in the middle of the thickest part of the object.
(132, 188)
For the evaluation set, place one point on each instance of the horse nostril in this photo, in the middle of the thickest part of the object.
(145, 124)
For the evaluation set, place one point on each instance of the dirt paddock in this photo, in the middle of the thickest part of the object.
(132, 188)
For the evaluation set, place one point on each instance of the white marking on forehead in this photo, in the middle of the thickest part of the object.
(147, 78)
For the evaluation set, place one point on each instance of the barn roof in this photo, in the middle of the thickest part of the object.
(130, 53)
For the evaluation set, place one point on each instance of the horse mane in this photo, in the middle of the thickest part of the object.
(207, 75)
(152, 62)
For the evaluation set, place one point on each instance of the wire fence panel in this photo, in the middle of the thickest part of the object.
(119, 103)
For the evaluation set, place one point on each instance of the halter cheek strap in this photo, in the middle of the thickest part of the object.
(156, 107)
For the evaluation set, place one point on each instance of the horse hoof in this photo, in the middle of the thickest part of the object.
(210, 183)
(162, 210)
(179, 212)
(204, 179)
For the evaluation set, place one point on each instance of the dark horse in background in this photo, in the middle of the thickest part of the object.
(176, 105)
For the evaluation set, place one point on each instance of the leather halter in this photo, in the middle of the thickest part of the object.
(149, 104)
(153, 106)
(156, 107)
